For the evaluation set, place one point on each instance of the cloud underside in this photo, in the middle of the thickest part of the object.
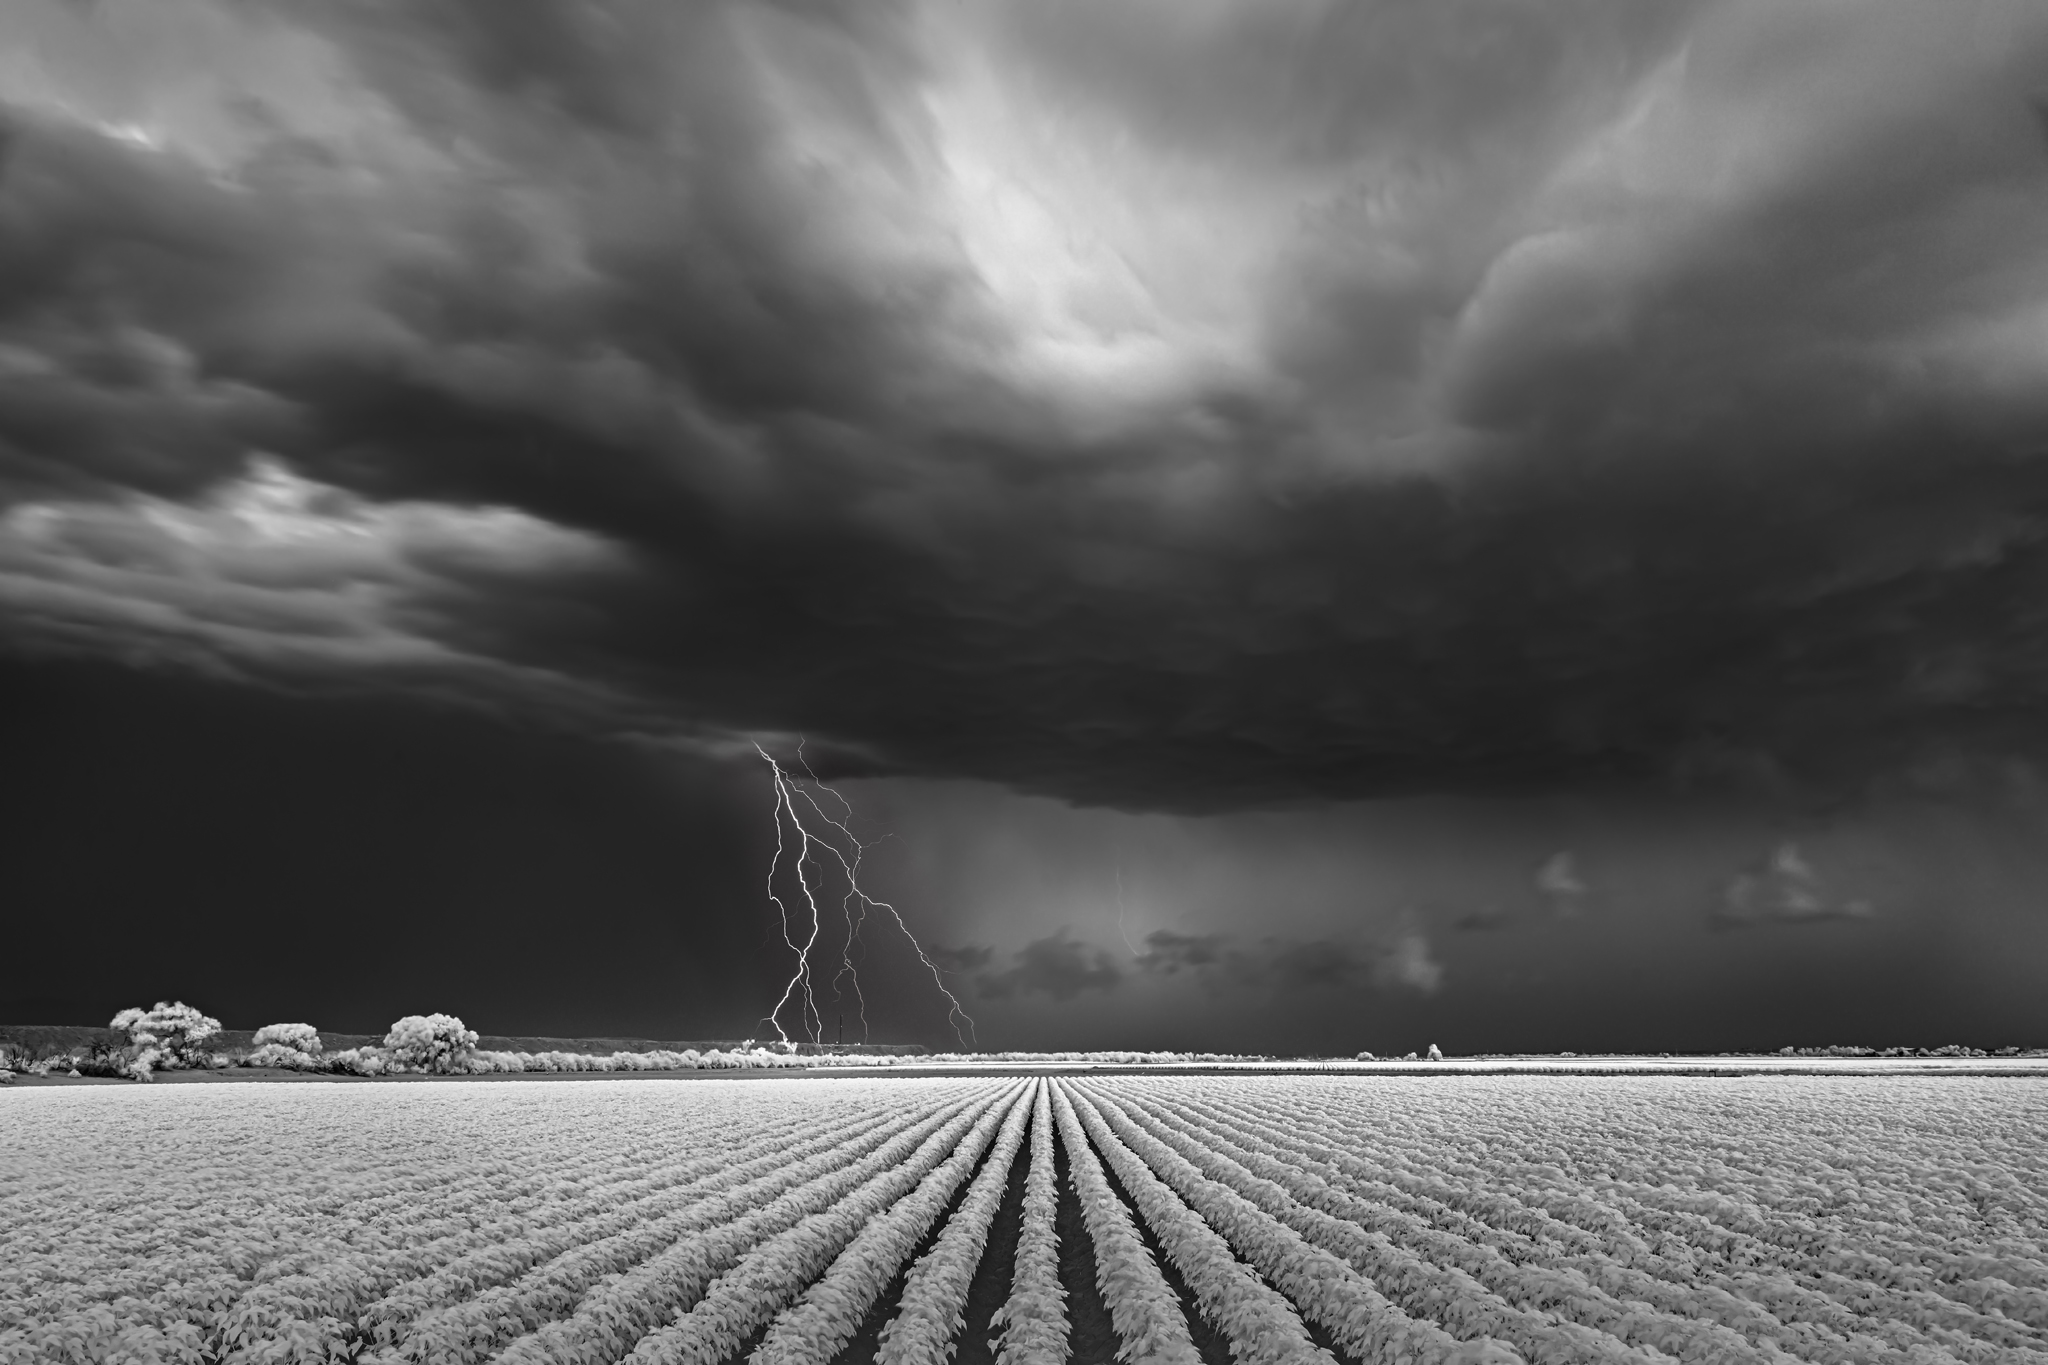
(1155, 405)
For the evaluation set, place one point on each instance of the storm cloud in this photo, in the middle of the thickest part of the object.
(1058, 965)
(1165, 405)
(1062, 966)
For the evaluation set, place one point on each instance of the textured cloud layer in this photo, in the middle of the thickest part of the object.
(1062, 966)
(1175, 405)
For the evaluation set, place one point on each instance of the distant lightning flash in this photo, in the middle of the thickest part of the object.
(856, 903)
(1120, 912)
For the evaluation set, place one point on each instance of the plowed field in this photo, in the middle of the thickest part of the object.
(1190, 1219)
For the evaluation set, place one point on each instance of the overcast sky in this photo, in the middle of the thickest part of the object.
(1294, 525)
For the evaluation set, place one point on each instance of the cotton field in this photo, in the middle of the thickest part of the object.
(1193, 1220)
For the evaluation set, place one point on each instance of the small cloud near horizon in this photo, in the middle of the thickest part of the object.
(1784, 889)
(1561, 886)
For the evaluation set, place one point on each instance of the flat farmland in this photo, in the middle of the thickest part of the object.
(1193, 1219)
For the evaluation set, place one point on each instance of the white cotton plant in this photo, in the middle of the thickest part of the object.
(470, 1299)
(814, 1330)
(932, 1309)
(617, 1316)
(1263, 1327)
(1504, 1307)
(434, 1043)
(1253, 1217)
(168, 1037)
(1033, 1322)
(1144, 1310)
(777, 1269)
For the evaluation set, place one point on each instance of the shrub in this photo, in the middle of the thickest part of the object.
(295, 1046)
(436, 1043)
(165, 1038)
(98, 1059)
(360, 1061)
(31, 1060)
(299, 1037)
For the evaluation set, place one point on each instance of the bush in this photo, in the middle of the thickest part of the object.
(165, 1038)
(98, 1059)
(31, 1061)
(436, 1043)
(298, 1037)
(294, 1046)
(359, 1061)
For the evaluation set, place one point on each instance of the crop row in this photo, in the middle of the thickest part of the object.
(1301, 1220)
(323, 1246)
(1894, 1307)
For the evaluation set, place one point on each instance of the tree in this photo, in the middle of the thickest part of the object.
(431, 1042)
(167, 1037)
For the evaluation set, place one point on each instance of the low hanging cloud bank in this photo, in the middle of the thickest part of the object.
(1062, 967)
(1160, 406)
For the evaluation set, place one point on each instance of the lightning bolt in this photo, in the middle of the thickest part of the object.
(856, 915)
(787, 792)
(800, 981)
(1120, 911)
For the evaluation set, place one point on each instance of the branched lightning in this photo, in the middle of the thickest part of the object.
(800, 982)
(855, 904)
(856, 913)
(856, 916)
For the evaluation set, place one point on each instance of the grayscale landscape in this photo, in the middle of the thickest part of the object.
(1023, 682)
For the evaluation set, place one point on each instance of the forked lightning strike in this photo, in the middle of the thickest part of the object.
(855, 904)
(801, 981)
(856, 916)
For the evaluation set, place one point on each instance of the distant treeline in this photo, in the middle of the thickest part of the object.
(41, 1038)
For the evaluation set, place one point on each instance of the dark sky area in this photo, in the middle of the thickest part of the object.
(1291, 526)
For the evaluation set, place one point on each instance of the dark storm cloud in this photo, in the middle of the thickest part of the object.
(1167, 406)
(1218, 959)
(1062, 966)
(1058, 965)
(1169, 952)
